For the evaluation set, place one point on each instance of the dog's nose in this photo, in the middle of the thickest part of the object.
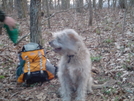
(50, 43)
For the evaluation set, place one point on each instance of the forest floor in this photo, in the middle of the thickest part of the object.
(111, 48)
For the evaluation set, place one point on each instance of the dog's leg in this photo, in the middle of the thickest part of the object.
(81, 89)
(89, 85)
(65, 90)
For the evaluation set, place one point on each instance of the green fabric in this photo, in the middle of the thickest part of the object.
(20, 68)
(13, 34)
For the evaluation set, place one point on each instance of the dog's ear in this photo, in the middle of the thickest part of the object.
(73, 37)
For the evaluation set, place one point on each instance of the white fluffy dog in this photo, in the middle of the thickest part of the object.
(74, 71)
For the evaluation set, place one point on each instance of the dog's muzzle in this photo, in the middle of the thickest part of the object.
(51, 43)
(56, 49)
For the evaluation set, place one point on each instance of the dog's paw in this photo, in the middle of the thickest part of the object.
(66, 99)
(58, 93)
(79, 99)
(90, 91)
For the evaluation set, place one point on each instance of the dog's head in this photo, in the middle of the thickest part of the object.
(66, 42)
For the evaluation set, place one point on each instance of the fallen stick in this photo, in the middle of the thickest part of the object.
(21, 39)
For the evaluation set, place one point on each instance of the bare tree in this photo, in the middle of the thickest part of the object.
(114, 3)
(122, 3)
(19, 8)
(1, 22)
(58, 4)
(65, 4)
(5, 5)
(131, 2)
(35, 21)
(43, 6)
(100, 4)
(11, 5)
(79, 4)
(48, 13)
(108, 3)
(90, 13)
(22, 9)
(51, 4)
(94, 3)
(68, 3)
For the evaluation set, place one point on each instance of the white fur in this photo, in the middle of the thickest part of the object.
(74, 72)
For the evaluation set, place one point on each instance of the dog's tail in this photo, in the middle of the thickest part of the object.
(98, 86)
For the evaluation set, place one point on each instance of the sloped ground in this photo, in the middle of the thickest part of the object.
(112, 53)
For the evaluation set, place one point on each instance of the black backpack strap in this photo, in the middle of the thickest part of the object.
(56, 70)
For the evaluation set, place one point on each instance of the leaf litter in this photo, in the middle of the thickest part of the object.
(112, 53)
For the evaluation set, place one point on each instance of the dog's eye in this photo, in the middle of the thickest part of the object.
(58, 39)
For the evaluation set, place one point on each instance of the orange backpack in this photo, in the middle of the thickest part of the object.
(32, 67)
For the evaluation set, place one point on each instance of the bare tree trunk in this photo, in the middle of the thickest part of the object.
(124, 21)
(11, 5)
(4, 6)
(24, 8)
(35, 21)
(94, 3)
(15, 4)
(79, 4)
(100, 4)
(1, 24)
(114, 3)
(43, 6)
(21, 8)
(64, 4)
(132, 14)
(90, 13)
(48, 13)
(73, 3)
(58, 4)
(131, 2)
(122, 4)
(51, 4)
(68, 3)
(108, 3)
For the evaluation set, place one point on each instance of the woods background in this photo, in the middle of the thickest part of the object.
(107, 28)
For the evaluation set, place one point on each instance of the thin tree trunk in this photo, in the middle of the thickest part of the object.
(114, 3)
(124, 21)
(122, 4)
(51, 4)
(94, 3)
(4, 6)
(44, 6)
(20, 8)
(48, 13)
(79, 4)
(64, 4)
(35, 21)
(68, 3)
(131, 2)
(100, 4)
(90, 13)
(58, 4)
(108, 3)
(24, 8)
(1, 24)
(11, 5)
